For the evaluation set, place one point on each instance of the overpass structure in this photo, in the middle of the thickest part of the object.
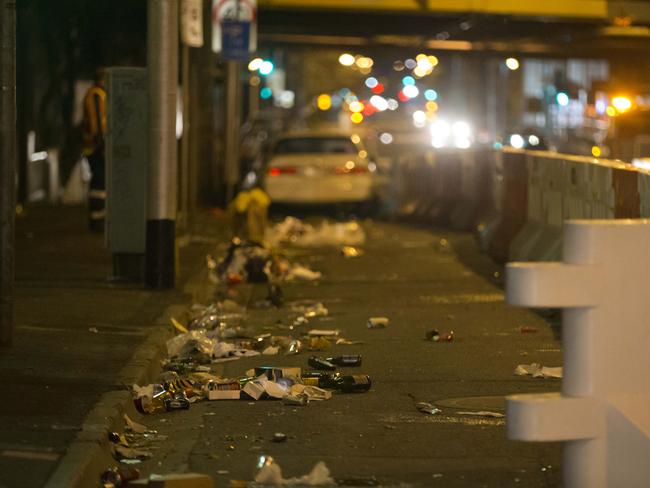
(574, 27)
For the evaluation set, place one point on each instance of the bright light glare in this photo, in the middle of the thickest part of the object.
(431, 95)
(562, 99)
(419, 117)
(355, 138)
(461, 133)
(356, 107)
(408, 80)
(611, 111)
(356, 118)
(533, 140)
(365, 63)
(346, 59)
(595, 151)
(420, 72)
(287, 99)
(411, 91)
(440, 128)
(266, 93)
(392, 104)
(622, 104)
(516, 141)
(440, 131)
(512, 64)
(324, 102)
(431, 106)
(379, 103)
(371, 82)
(255, 64)
(266, 68)
(410, 63)
(424, 63)
(460, 130)
(386, 138)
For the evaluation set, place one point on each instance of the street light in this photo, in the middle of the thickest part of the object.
(512, 64)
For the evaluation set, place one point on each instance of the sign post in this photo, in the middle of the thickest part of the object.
(234, 37)
(234, 28)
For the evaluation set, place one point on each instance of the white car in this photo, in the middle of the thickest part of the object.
(320, 168)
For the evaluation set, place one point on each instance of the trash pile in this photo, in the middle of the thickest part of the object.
(215, 334)
(297, 233)
(292, 385)
(133, 446)
(250, 262)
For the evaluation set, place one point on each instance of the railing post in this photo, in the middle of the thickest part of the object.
(602, 413)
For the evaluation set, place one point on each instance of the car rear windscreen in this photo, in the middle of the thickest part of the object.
(327, 145)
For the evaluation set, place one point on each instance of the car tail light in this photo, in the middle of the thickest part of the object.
(286, 170)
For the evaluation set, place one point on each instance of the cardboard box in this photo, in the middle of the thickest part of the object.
(274, 373)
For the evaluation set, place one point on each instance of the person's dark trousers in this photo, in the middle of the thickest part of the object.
(97, 192)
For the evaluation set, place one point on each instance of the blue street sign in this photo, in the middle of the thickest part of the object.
(235, 40)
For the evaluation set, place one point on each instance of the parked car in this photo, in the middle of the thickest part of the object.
(319, 167)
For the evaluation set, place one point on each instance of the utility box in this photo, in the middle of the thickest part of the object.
(126, 170)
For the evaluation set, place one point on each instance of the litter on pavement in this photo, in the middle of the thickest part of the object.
(483, 413)
(300, 234)
(270, 473)
(436, 336)
(378, 322)
(427, 408)
(536, 370)
(351, 252)
(185, 480)
(251, 262)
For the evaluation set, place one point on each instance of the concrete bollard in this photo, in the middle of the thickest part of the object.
(603, 412)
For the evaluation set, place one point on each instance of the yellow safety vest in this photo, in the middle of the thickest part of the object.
(94, 122)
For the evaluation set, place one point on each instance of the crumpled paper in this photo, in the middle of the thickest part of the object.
(271, 474)
(536, 370)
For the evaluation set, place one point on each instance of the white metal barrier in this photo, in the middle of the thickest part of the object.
(603, 412)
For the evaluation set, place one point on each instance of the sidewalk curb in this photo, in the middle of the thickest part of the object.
(88, 455)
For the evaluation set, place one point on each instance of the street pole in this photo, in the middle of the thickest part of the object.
(232, 128)
(253, 101)
(162, 65)
(185, 141)
(7, 168)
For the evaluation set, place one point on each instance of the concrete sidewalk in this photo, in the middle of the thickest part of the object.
(75, 333)
(421, 280)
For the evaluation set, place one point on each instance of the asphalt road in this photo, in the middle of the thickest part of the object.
(421, 279)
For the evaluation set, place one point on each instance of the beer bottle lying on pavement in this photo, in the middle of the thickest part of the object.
(320, 363)
(350, 383)
(346, 360)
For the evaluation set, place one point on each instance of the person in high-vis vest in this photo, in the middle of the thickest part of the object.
(94, 131)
